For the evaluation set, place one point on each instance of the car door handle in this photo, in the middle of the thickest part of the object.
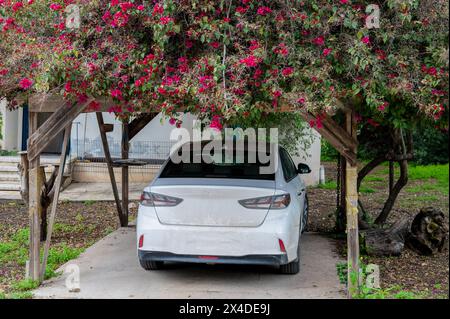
(302, 190)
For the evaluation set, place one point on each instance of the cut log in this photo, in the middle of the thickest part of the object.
(429, 232)
(386, 242)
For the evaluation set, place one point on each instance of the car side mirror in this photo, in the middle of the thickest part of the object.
(303, 169)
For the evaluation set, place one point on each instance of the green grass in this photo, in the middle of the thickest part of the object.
(374, 179)
(15, 251)
(25, 285)
(366, 190)
(328, 185)
(438, 173)
(393, 292)
(433, 178)
(333, 185)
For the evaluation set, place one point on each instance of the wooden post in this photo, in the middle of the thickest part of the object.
(351, 200)
(101, 126)
(57, 188)
(125, 172)
(23, 171)
(34, 205)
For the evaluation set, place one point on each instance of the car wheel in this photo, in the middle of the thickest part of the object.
(293, 267)
(305, 215)
(151, 265)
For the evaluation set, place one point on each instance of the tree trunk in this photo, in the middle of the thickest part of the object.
(368, 168)
(402, 181)
(429, 233)
(386, 242)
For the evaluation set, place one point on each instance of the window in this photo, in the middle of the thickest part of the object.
(289, 169)
(238, 168)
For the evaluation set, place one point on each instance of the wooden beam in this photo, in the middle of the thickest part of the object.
(125, 172)
(338, 137)
(351, 193)
(139, 123)
(57, 188)
(101, 126)
(55, 124)
(50, 103)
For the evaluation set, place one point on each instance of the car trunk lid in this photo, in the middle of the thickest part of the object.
(212, 202)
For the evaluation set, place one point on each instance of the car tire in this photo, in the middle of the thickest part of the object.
(151, 265)
(305, 215)
(293, 267)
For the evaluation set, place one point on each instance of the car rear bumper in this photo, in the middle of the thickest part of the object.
(233, 242)
(270, 260)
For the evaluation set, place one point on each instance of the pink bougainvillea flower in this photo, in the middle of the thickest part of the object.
(120, 19)
(172, 121)
(125, 6)
(140, 7)
(432, 71)
(4, 71)
(253, 45)
(55, 6)
(216, 123)
(16, 6)
(326, 51)
(383, 106)
(250, 61)
(241, 10)
(301, 101)
(215, 44)
(365, 40)
(25, 83)
(277, 93)
(115, 109)
(343, 1)
(116, 93)
(165, 20)
(281, 49)
(157, 9)
(94, 106)
(319, 40)
(287, 71)
(262, 11)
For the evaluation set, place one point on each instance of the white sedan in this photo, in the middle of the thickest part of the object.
(225, 212)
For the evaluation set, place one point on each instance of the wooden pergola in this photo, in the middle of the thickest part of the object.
(343, 139)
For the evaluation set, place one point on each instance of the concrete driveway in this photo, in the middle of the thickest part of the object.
(109, 269)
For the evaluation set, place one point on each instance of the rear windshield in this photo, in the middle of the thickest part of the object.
(226, 165)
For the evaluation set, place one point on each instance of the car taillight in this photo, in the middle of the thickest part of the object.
(141, 241)
(267, 202)
(159, 200)
(282, 247)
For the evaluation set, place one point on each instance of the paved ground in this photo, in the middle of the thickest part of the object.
(109, 269)
(98, 191)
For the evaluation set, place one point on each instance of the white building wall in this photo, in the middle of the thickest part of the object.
(312, 159)
(86, 139)
(154, 141)
(10, 128)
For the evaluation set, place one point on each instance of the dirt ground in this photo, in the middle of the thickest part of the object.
(427, 275)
